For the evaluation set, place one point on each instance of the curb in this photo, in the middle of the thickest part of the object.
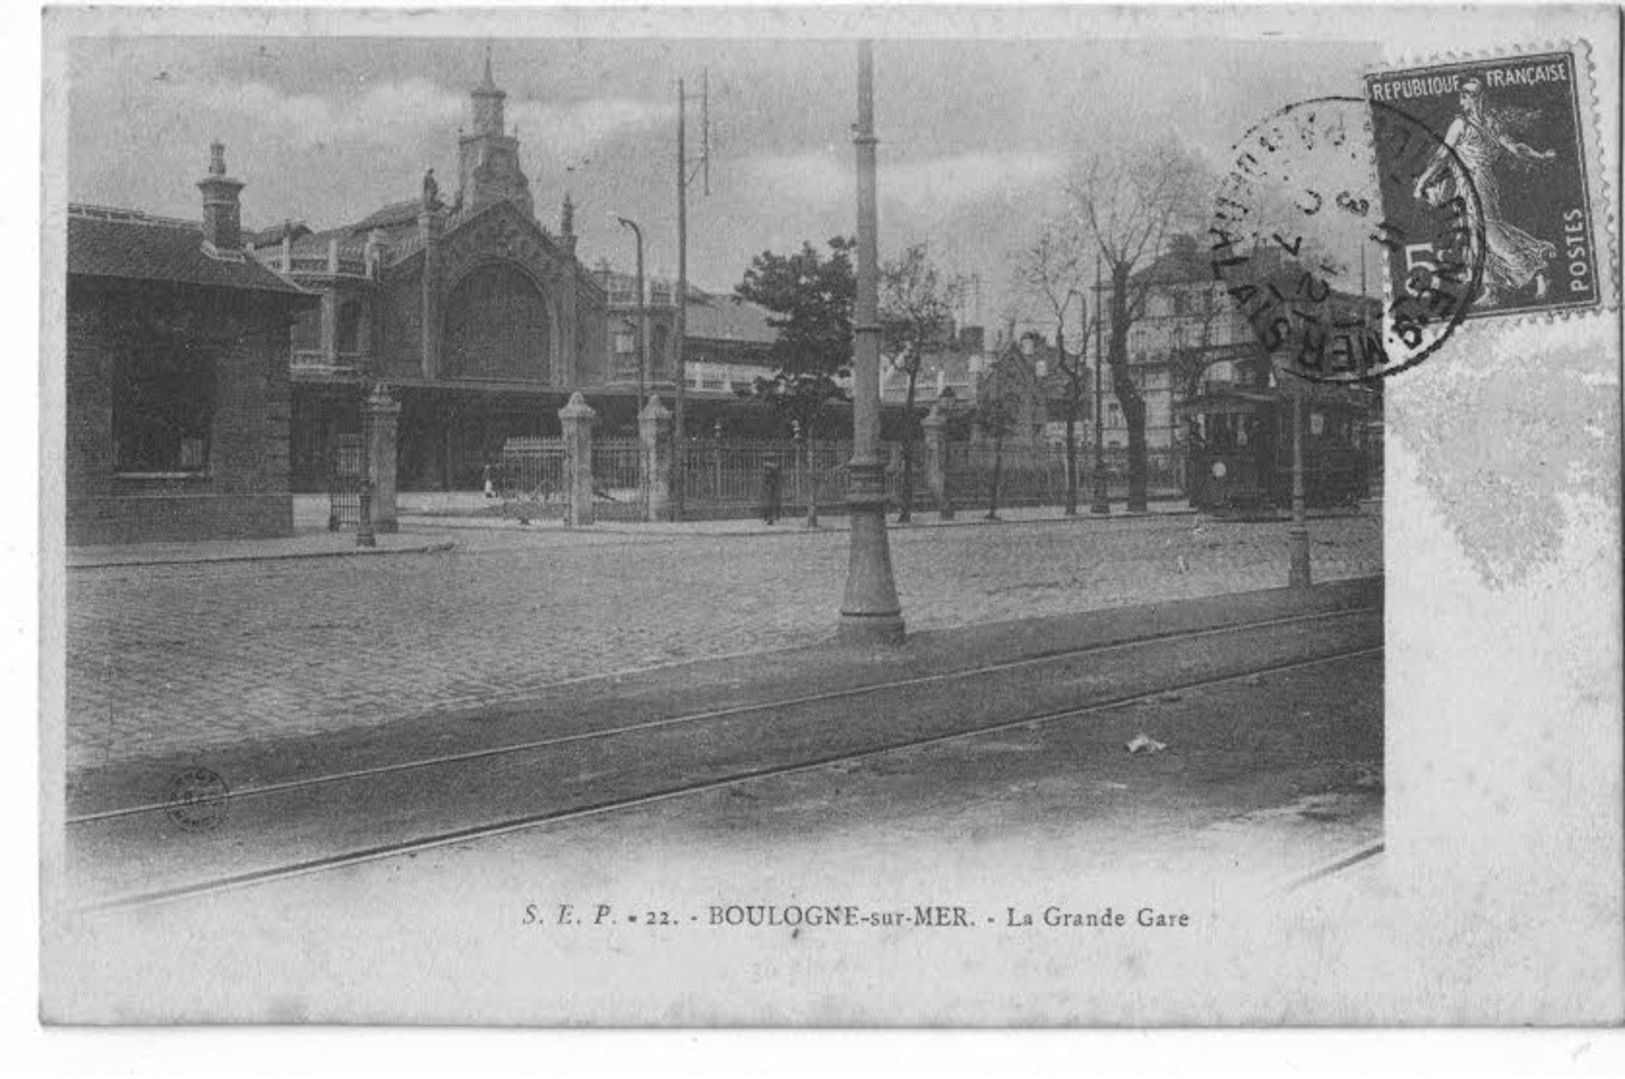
(201, 560)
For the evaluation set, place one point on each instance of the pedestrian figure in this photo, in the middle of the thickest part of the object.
(770, 490)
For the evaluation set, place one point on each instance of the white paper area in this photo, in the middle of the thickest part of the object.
(1499, 895)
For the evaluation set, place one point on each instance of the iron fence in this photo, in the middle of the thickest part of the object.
(617, 484)
(1036, 475)
(347, 467)
(726, 478)
(530, 479)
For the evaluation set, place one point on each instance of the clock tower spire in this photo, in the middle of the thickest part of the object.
(488, 157)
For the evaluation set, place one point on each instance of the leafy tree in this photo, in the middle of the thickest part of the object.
(811, 296)
(916, 316)
(1133, 201)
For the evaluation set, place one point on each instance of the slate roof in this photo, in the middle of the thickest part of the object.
(140, 247)
(725, 318)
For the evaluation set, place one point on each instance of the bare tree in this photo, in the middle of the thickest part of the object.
(998, 405)
(1052, 271)
(1133, 201)
(917, 303)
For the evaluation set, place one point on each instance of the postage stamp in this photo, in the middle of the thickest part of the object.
(1517, 126)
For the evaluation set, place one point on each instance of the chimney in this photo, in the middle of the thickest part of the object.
(222, 215)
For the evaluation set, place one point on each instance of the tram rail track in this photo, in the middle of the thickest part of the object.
(298, 867)
(705, 715)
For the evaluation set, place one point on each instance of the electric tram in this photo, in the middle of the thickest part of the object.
(1239, 447)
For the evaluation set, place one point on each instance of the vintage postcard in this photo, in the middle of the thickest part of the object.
(831, 517)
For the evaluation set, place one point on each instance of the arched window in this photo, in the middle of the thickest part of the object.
(496, 326)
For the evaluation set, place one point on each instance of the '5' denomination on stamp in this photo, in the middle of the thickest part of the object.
(1517, 127)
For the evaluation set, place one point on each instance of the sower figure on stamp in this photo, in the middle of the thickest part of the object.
(771, 484)
(1481, 136)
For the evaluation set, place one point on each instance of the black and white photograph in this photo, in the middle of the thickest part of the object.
(830, 517)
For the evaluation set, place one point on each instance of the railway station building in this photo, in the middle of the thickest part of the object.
(479, 319)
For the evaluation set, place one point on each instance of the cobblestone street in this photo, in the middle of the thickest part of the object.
(182, 658)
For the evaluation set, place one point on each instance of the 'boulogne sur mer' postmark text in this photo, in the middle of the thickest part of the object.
(1515, 125)
(1303, 229)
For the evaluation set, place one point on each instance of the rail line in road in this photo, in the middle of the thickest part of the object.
(298, 867)
(696, 717)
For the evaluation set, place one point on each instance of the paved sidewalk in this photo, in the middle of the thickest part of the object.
(186, 658)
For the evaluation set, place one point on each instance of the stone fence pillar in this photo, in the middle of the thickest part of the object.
(380, 420)
(576, 419)
(654, 429)
(935, 426)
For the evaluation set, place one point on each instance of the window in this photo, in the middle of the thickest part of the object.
(348, 339)
(626, 339)
(163, 408)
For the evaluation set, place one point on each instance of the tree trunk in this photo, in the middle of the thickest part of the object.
(906, 514)
(993, 488)
(1128, 395)
(812, 480)
(1071, 458)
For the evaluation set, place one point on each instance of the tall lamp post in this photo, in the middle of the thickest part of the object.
(870, 612)
(643, 313)
(1298, 533)
(1101, 503)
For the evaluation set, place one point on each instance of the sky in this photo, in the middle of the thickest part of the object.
(978, 138)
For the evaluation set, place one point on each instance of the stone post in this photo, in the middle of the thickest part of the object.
(935, 426)
(380, 419)
(576, 419)
(654, 429)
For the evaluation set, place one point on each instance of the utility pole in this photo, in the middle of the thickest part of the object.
(680, 451)
(679, 435)
(1102, 503)
(870, 612)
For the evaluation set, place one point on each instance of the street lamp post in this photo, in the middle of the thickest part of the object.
(1298, 533)
(870, 613)
(643, 313)
(1101, 503)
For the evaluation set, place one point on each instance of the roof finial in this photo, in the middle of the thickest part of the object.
(489, 83)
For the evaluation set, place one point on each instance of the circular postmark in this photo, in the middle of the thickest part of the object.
(1328, 202)
(198, 799)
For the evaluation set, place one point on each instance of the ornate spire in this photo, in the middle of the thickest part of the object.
(488, 84)
(567, 216)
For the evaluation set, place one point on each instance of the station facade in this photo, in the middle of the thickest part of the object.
(479, 320)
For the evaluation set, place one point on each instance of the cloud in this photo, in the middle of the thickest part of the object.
(945, 184)
(568, 131)
(416, 110)
(951, 183)
(385, 114)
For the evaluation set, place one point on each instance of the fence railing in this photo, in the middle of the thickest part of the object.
(530, 479)
(727, 478)
(347, 468)
(617, 483)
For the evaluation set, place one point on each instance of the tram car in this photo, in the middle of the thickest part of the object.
(1239, 448)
